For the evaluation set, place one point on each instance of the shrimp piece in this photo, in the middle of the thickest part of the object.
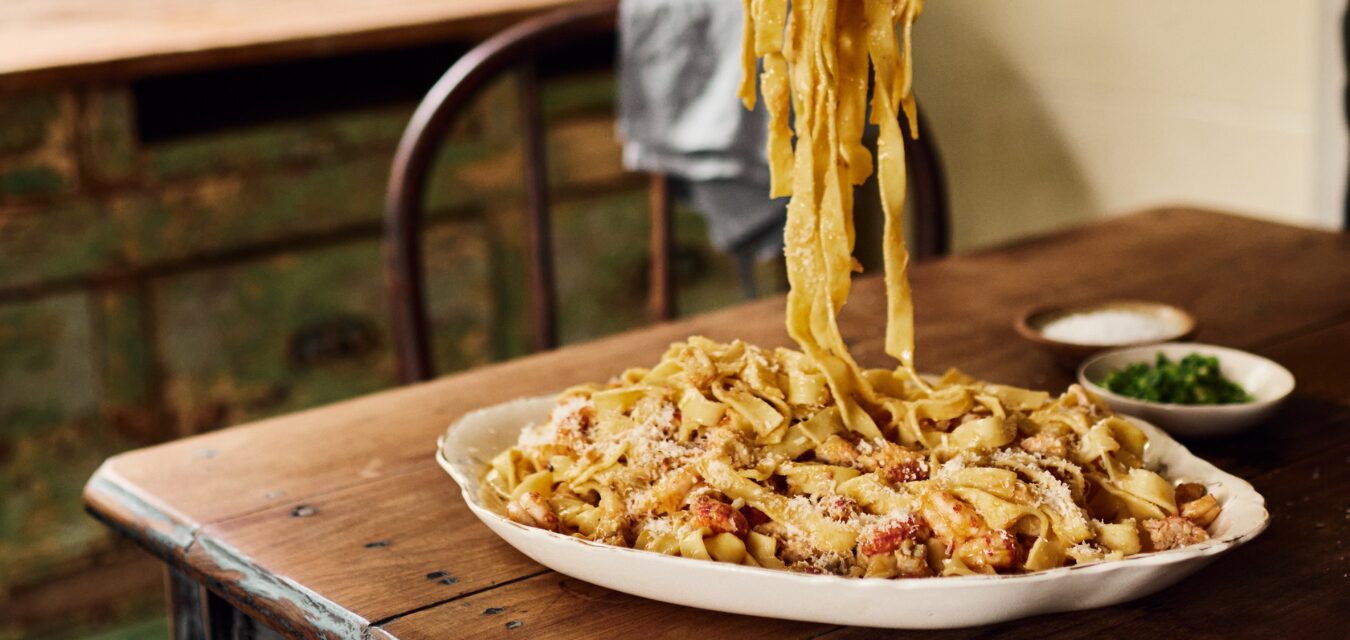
(726, 443)
(841, 508)
(1173, 532)
(838, 451)
(950, 518)
(888, 535)
(966, 534)
(895, 548)
(672, 489)
(996, 549)
(895, 463)
(573, 428)
(530, 509)
(718, 516)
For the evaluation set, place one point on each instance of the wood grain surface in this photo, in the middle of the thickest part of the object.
(336, 521)
(53, 41)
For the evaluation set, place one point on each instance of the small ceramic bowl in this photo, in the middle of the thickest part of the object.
(1264, 380)
(1031, 324)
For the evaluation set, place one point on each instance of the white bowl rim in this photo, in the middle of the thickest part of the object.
(1188, 409)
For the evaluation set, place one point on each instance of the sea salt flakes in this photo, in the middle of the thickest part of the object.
(1107, 326)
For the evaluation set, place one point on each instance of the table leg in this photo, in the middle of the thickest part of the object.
(185, 598)
(195, 613)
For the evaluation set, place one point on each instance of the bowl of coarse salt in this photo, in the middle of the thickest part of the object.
(1074, 332)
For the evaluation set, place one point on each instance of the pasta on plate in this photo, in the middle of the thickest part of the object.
(737, 454)
(802, 460)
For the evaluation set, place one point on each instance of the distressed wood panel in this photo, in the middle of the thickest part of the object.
(47, 396)
(306, 328)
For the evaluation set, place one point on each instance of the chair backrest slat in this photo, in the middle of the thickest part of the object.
(929, 186)
(661, 288)
(416, 152)
(539, 237)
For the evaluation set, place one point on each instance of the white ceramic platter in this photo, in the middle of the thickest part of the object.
(924, 603)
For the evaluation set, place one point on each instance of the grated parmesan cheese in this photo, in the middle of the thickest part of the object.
(535, 435)
(1108, 326)
(655, 477)
(662, 526)
(950, 468)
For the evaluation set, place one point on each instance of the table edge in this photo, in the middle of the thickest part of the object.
(113, 68)
(180, 542)
(120, 504)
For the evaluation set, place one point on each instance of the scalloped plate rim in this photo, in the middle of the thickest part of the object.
(518, 536)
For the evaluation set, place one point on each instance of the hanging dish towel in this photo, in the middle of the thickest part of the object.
(679, 69)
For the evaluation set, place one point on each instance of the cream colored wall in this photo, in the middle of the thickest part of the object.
(1049, 112)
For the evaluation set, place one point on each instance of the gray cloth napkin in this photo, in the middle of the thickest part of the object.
(679, 69)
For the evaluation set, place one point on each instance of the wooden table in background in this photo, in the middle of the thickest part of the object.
(337, 522)
(49, 42)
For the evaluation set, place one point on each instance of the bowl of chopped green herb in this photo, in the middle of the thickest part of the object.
(1188, 388)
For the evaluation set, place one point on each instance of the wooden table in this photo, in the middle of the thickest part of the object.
(337, 522)
(63, 41)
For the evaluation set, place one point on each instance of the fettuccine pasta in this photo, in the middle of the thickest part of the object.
(800, 459)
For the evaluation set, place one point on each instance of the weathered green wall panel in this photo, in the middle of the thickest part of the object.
(109, 153)
(126, 362)
(37, 137)
(304, 329)
(60, 241)
(32, 181)
(24, 120)
(50, 439)
(460, 301)
(583, 94)
(606, 291)
(151, 290)
(230, 355)
(206, 217)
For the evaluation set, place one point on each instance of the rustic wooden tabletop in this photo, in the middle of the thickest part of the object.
(337, 521)
(61, 41)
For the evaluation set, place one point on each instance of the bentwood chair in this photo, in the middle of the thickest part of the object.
(516, 51)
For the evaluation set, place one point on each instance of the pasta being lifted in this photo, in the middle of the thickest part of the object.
(802, 460)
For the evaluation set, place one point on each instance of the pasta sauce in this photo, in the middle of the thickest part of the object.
(802, 460)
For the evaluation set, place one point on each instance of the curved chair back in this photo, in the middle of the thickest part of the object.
(515, 50)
